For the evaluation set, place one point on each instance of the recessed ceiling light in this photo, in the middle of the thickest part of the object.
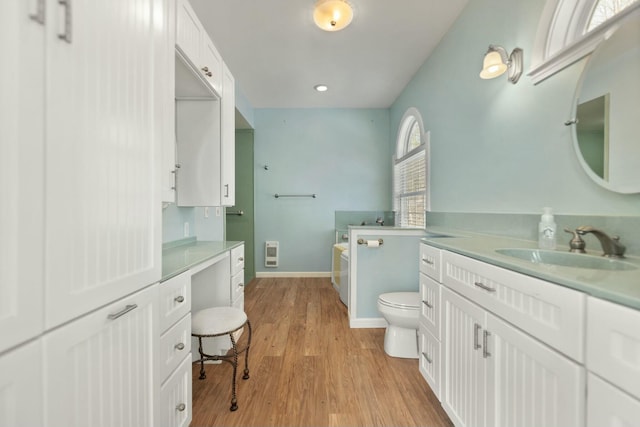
(321, 88)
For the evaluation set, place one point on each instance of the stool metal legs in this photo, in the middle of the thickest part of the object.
(230, 358)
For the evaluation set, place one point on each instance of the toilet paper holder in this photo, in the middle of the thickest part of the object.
(366, 242)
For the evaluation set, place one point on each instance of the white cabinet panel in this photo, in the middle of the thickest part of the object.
(608, 406)
(430, 308)
(237, 260)
(528, 383)
(613, 344)
(545, 310)
(21, 396)
(463, 374)
(175, 344)
(430, 360)
(99, 369)
(228, 145)
(103, 222)
(431, 262)
(175, 299)
(211, 64)
(174, 408)
(189, 31)
(21, 172)
(165, 77)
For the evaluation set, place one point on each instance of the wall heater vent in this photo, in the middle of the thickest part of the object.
(271, 252)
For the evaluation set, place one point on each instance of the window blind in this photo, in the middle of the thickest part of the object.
(410, 189)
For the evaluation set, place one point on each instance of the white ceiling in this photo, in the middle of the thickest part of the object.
(277, 54)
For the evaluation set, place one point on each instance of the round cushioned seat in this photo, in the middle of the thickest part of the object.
(217, 320)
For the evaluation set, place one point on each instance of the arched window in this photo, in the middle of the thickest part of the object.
(410, 191)
(570, 29)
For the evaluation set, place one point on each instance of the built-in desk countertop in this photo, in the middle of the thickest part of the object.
(182, 255)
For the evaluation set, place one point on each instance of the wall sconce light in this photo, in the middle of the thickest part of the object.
(332, 15)
(496, 62)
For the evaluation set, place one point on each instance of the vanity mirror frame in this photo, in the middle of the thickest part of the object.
(628, 185)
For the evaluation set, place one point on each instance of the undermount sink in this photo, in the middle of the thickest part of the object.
(567, 259)
(430, 235)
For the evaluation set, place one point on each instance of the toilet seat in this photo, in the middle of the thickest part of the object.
(406, 300)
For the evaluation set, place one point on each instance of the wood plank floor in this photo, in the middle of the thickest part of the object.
(308, 368)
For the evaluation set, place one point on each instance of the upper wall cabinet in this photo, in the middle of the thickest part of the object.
(103, 130)
(196, 49)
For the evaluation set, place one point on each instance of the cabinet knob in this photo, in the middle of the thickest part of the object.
(429, 305)
(240, 259)
(241, 285)
(205, 69)
(427, 358)
(179, 299)
(209, 74)
(181, 407)
(179, 346)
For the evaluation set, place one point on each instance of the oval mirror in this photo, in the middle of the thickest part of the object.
(607, 110)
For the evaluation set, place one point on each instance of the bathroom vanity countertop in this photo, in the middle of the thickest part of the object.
(622, 287)
(184, 254)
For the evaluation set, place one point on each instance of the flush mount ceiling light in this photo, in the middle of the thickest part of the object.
(321, 88)
(496, 62)
(332, 15)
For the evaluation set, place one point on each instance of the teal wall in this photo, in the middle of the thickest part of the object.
(342, 155)
(498, 147)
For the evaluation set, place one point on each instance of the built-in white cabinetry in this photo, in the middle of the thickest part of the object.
(500, 348)
(21, 171)
(165, 81)
(100, 369)
(21, 384)
(429, 338)
(613, 362)
(173, 406)
(196, 48)
(228, 143)
(103, 153)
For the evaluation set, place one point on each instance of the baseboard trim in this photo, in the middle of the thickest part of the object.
(269, 274)
(372, 322)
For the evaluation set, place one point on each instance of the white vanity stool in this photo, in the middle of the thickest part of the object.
(216, 322)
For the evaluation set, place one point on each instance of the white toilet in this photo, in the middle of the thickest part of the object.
(401, 311)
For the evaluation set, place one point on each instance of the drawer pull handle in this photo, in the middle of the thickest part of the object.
(179, 346)
(122, 312)
(427, 261)
(483, 286)
(485, 343)
(181, 407)
(241, 285)
(66, 36)
(179, 299)
(241, 259)
(476, 341)
(427, 304)
(429, 361)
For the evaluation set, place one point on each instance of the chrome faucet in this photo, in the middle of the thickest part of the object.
(611, 246)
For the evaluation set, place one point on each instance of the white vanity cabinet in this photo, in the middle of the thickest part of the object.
(196, 47)
(613, 362)
(429, 338)
(173, 407)
(504, 343)
(21, 171)
(100, 369)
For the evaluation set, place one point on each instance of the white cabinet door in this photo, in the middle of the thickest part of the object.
(430, 308)
(528, 383)
(21, 396)
(99, 369)
(165, 78)
(463, 374)
(21, 172)
(608, 406)
(189, 31)
(430, 364)
(211, 65)
(228, 135)
(174, 407)
(103, 154)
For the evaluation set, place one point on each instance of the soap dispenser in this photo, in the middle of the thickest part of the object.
(547, 230)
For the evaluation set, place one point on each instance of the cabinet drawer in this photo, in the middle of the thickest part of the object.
(430, 307)
(175, 344)
(430, 359)
(237, 260)
(552, 313)
(175, 299)
(608, 406)
(613, 344)
(174, 409)
(237, 286)
(431, 262)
